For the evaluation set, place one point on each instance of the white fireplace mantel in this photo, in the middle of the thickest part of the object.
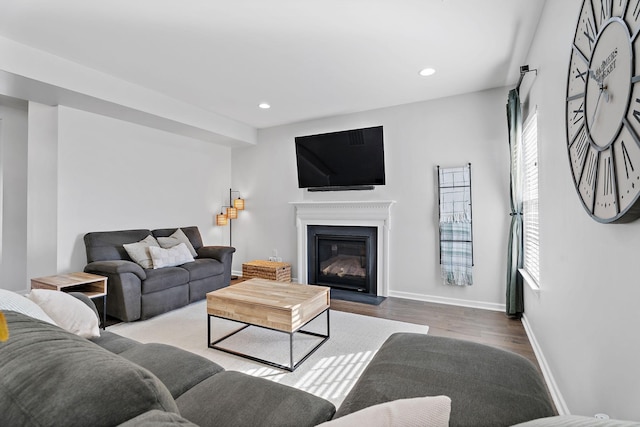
(346, 213)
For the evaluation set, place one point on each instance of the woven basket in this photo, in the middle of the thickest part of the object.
(280, 271)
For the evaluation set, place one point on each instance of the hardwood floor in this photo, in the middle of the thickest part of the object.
(481, 326)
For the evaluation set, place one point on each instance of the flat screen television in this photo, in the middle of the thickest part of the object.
(346, 160)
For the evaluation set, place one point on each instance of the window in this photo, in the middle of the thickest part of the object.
(530, 201)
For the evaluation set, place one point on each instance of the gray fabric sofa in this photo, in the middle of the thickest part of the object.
(137, 293)
(52, 377)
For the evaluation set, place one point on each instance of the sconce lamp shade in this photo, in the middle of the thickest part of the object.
(232, 213)
(221, 219)
(238, 204)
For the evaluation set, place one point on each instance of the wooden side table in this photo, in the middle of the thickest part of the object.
(91, 285)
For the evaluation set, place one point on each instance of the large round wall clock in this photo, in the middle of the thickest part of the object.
(603, 109)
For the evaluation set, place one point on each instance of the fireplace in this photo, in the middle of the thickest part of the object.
(374, 214)
(343, 257)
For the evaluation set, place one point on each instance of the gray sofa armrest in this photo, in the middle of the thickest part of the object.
(124, 283)
(221, 253)
(484, 383)
(88, 301)
(116, 267)
(224, 254)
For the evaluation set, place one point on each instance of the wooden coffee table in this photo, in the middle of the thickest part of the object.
(284, 307)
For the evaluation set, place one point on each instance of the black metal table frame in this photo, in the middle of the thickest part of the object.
(292, 367)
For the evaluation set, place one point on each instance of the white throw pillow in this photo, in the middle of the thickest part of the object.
(67, 311)
(171, 257)
(175, 239)
(11, 301)
(139, 252)
(432, 411)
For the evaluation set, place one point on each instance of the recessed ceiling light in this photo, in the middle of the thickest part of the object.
(264, 105)
(427, 72)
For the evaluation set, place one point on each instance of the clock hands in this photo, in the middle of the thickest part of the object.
(595, 111)
(603, 90)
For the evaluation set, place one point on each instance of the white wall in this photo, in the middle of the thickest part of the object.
(13, 166)
(585, 318)
(78, 172)
(42, 192)
(115, 175)
(418, 137)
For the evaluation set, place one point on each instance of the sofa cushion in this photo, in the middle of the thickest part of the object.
(161, 360)
(68, 312)
(202, 268)
(164, 278)
(108, 245)
(51, 377)
(262, 403)
(170, 257)
(157, 418)
(175, 239)
(484, 383)
(139, 251)
(113, 342)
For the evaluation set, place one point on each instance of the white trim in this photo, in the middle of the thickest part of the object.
(556, 394)
(346, 213)
(449, 301)
(528, 280)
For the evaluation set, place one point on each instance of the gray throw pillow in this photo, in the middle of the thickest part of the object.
(139, 252)
(175, 239)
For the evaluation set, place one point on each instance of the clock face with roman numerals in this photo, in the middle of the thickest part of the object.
(603, 109)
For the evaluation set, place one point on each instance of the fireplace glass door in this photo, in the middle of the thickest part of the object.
(342, 260)
(343, 257)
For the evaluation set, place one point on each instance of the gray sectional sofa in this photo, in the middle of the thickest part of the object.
(137, 293)
(51, 377)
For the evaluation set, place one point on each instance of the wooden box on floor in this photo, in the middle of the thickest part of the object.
(280, 271)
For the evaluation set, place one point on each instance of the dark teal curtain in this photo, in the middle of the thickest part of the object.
(515, 299)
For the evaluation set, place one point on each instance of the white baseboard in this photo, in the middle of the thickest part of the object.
(556, 395)
(449, 301)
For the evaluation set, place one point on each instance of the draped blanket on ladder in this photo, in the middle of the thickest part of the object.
(456, 239)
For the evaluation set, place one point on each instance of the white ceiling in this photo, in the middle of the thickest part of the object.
(307, 58)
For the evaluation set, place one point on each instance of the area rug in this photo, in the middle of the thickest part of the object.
(329, 373)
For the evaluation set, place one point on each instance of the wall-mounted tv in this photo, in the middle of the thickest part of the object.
(346, 160)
